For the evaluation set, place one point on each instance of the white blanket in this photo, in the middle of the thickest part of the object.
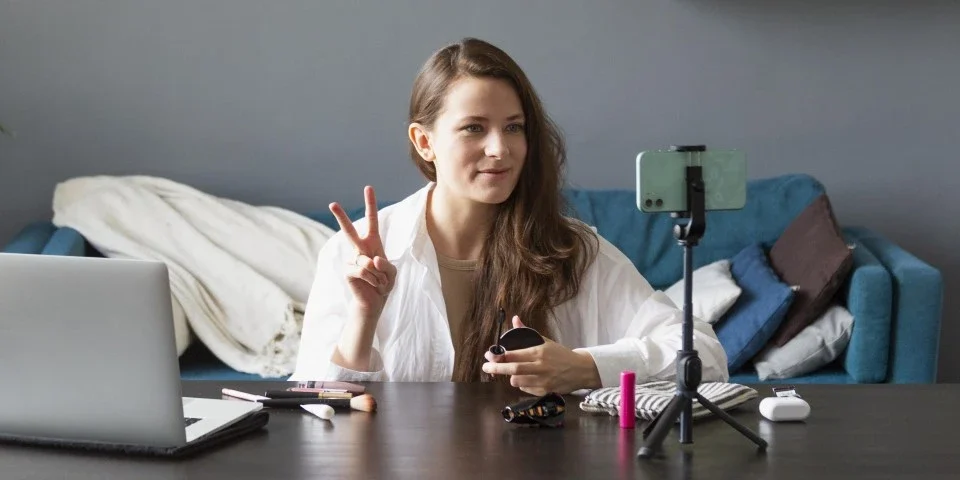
(239, 274)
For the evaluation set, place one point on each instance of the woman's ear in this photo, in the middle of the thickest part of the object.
(420, 137)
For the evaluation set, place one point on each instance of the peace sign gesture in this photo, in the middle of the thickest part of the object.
(370, 275)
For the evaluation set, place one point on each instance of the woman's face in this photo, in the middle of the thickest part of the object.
(477, 143)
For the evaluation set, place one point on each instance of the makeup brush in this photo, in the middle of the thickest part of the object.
(498, 349)
(275, 394)
(363, 403)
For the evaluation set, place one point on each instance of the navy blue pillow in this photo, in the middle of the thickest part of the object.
(758, 312)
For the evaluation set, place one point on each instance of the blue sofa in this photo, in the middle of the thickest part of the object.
(894, 297)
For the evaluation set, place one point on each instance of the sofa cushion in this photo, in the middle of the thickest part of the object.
(812, 255)
(815, 347)
(759, 310)
(832, 373)
(714, 291)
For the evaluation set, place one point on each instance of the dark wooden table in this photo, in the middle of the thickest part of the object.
(450, 431)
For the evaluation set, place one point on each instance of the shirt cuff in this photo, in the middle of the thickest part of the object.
(611, 359)
(334, 372)
(375, 374)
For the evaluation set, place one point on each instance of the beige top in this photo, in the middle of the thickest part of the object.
(456, 281)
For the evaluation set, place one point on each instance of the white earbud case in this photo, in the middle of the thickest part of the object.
(784, 409)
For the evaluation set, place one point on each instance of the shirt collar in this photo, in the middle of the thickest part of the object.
(408, 229)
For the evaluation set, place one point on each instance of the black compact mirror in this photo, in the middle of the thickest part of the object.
(518, 338)
(515, 338)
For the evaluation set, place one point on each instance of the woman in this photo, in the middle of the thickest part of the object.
(416, 296)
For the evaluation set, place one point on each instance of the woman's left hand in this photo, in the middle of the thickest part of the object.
(550, 367)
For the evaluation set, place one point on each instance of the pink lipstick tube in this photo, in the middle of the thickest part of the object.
(628, 410)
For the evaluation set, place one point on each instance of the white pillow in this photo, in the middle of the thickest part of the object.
(815, 346)
(714, 291)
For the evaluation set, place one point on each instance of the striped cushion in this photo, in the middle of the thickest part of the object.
(653, 397)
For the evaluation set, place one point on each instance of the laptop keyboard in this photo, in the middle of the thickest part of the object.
(190, 421)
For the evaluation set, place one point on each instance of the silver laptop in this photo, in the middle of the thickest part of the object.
(88, 354)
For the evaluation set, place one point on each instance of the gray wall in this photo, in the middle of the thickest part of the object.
(297, 103)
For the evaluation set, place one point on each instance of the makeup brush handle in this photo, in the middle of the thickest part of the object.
(296, 402)
(275, 394)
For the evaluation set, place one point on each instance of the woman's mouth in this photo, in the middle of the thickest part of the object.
(495, 173)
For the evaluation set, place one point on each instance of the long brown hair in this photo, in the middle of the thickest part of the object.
(534, 256)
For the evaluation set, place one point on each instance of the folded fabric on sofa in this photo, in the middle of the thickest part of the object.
(240, 274)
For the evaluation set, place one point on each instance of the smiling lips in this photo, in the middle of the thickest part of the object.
(493, 171)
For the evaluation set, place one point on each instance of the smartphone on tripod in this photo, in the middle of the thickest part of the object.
(662, 174)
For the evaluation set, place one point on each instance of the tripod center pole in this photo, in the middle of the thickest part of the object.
(689, 236)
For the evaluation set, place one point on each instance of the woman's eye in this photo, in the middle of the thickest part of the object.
(474, 128)
(515, 127)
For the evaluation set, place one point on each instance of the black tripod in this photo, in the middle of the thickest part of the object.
(689, 367)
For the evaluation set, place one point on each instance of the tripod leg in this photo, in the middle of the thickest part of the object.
(657, 419)
(664, 422)
(655, 422)
(761, 443)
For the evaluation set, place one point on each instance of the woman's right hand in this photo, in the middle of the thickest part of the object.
(370, 276)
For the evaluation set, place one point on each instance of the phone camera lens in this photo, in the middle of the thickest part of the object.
(649, 203)
(659, 202)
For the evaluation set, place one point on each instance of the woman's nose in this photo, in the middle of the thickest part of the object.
(496, 146)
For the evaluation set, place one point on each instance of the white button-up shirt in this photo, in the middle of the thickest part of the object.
(617, 316)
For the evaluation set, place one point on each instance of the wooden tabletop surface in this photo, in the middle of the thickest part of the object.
(448, 430)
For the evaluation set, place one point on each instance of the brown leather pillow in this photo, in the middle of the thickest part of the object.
(812, 255)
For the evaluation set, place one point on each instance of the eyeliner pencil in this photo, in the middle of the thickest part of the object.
(331, 385)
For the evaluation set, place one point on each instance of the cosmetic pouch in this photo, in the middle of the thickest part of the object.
(652, 397)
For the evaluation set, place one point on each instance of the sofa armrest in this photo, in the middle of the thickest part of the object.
(66, 241)
(917, 303)
(44, 238)
(868, 293)
(31, 238)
